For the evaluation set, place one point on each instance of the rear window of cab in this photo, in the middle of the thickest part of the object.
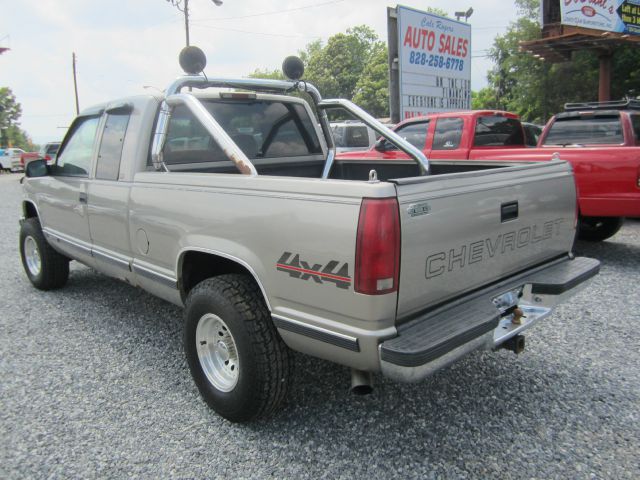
(498, 131)
(581, 130)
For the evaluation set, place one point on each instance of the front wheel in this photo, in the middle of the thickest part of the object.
(45, 268)
(597, 229)
(237, 359)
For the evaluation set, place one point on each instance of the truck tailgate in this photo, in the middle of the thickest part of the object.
(464, 231)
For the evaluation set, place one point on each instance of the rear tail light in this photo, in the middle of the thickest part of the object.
(47, 158)
(378, 247)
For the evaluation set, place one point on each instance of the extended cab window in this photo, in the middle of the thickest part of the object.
(76, 154)
(414, 133)
(591, 129)
(111, 146)
(448, 134)
(265, 128)
(498, 131)
(262, 129)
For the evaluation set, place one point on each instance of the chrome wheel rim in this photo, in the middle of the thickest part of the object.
(217, 352)
(32, 256)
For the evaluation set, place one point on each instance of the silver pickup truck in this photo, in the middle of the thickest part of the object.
(227, 200)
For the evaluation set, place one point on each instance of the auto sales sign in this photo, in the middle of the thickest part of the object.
(434, 55)
(621, 16)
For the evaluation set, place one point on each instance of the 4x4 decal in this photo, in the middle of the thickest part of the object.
(330, 272)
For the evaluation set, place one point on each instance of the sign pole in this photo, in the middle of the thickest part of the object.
(75, 82)
(394, 70)
(604, 88)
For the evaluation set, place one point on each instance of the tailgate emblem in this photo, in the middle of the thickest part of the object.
(418, 209)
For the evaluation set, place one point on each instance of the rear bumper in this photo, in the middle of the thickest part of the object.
(484, 320)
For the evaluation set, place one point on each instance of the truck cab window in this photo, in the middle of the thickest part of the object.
(261, 128)
(267, 128)
(448, 133)
(189, 142)
(414, 133)
(587, 129)
(111, 146)
(77, 152)
(498, 131)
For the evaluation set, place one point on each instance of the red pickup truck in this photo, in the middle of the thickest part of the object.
(602, 142)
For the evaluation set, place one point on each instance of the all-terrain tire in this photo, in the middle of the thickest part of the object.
(45, 268)
(597, 229)
(237, 359)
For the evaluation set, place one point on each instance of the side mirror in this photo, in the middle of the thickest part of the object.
(383, 146)
(36, 168)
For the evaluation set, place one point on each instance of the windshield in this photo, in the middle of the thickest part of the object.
(585, 130)
(266, 129)
(351, 136)
(414, 133)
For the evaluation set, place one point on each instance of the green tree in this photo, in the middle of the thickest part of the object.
(372, 88)
(274, 74)
(535, 89)
(10, 111)
(484, 99)
(336, 67)
(437, 11)
(16, 137)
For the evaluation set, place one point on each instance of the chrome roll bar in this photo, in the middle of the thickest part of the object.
(393, 137)
(244, 165)
(228, 146)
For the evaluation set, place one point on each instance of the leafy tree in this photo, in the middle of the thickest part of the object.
(10, 112)
(372, 89)
(16, 137)
(437, 11)
(10, 132)
(536, 89)
(484, 99)
(336, 67)
(274, 74)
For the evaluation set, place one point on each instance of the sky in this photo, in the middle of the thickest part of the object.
(129, 47)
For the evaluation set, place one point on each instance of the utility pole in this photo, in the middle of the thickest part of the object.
(186, 19)
(183, 6)
(75, 82)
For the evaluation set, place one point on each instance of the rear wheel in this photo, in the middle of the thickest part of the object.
(597, 229)
(45, 268)
(237, 359)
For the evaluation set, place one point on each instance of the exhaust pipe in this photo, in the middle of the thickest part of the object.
(361, 382)
(515, 344)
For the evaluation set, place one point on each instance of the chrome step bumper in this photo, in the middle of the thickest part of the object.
(486, 320)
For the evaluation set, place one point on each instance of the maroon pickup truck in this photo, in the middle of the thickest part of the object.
(601, 141)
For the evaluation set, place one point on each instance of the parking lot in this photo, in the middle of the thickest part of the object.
(94, 384)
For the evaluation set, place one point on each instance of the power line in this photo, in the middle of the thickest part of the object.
(256, 33)
(489, 27)
(274, 12)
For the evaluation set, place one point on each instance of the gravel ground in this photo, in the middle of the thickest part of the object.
(93, 384)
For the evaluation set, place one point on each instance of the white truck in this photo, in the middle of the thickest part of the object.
(227, 201)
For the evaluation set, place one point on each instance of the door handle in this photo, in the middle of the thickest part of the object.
(83, 197)
(508, 211)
